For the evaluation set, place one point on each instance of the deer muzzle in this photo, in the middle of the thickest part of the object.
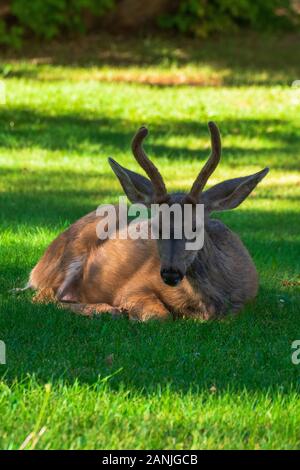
(171, 277)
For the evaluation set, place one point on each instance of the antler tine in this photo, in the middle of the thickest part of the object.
(210, 165)
(149, 167)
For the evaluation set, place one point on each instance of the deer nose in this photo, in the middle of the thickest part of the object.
(172, 277)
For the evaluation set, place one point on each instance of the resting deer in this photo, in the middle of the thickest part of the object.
(147, 278)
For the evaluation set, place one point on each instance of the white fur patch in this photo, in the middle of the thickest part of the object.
(66, 292)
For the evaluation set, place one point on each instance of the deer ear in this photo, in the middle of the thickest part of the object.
(231, 193)
(137, 188)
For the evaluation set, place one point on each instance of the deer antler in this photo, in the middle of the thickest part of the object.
(209, 166)
(159, 187)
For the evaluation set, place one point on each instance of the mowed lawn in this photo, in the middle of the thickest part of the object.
(78, 383)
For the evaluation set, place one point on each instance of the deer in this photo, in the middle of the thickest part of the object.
(146, 279)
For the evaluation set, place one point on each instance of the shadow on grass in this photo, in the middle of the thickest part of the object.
(71, 132)
(251, 351)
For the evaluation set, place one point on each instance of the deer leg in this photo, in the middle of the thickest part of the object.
(44, 296)
(144, 308)
(89, 310)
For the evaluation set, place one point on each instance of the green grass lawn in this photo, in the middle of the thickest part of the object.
(120, 384)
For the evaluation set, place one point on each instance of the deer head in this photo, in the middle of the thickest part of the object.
(175, 258)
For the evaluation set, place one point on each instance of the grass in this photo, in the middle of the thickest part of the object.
(162, 61)
(78, 383)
